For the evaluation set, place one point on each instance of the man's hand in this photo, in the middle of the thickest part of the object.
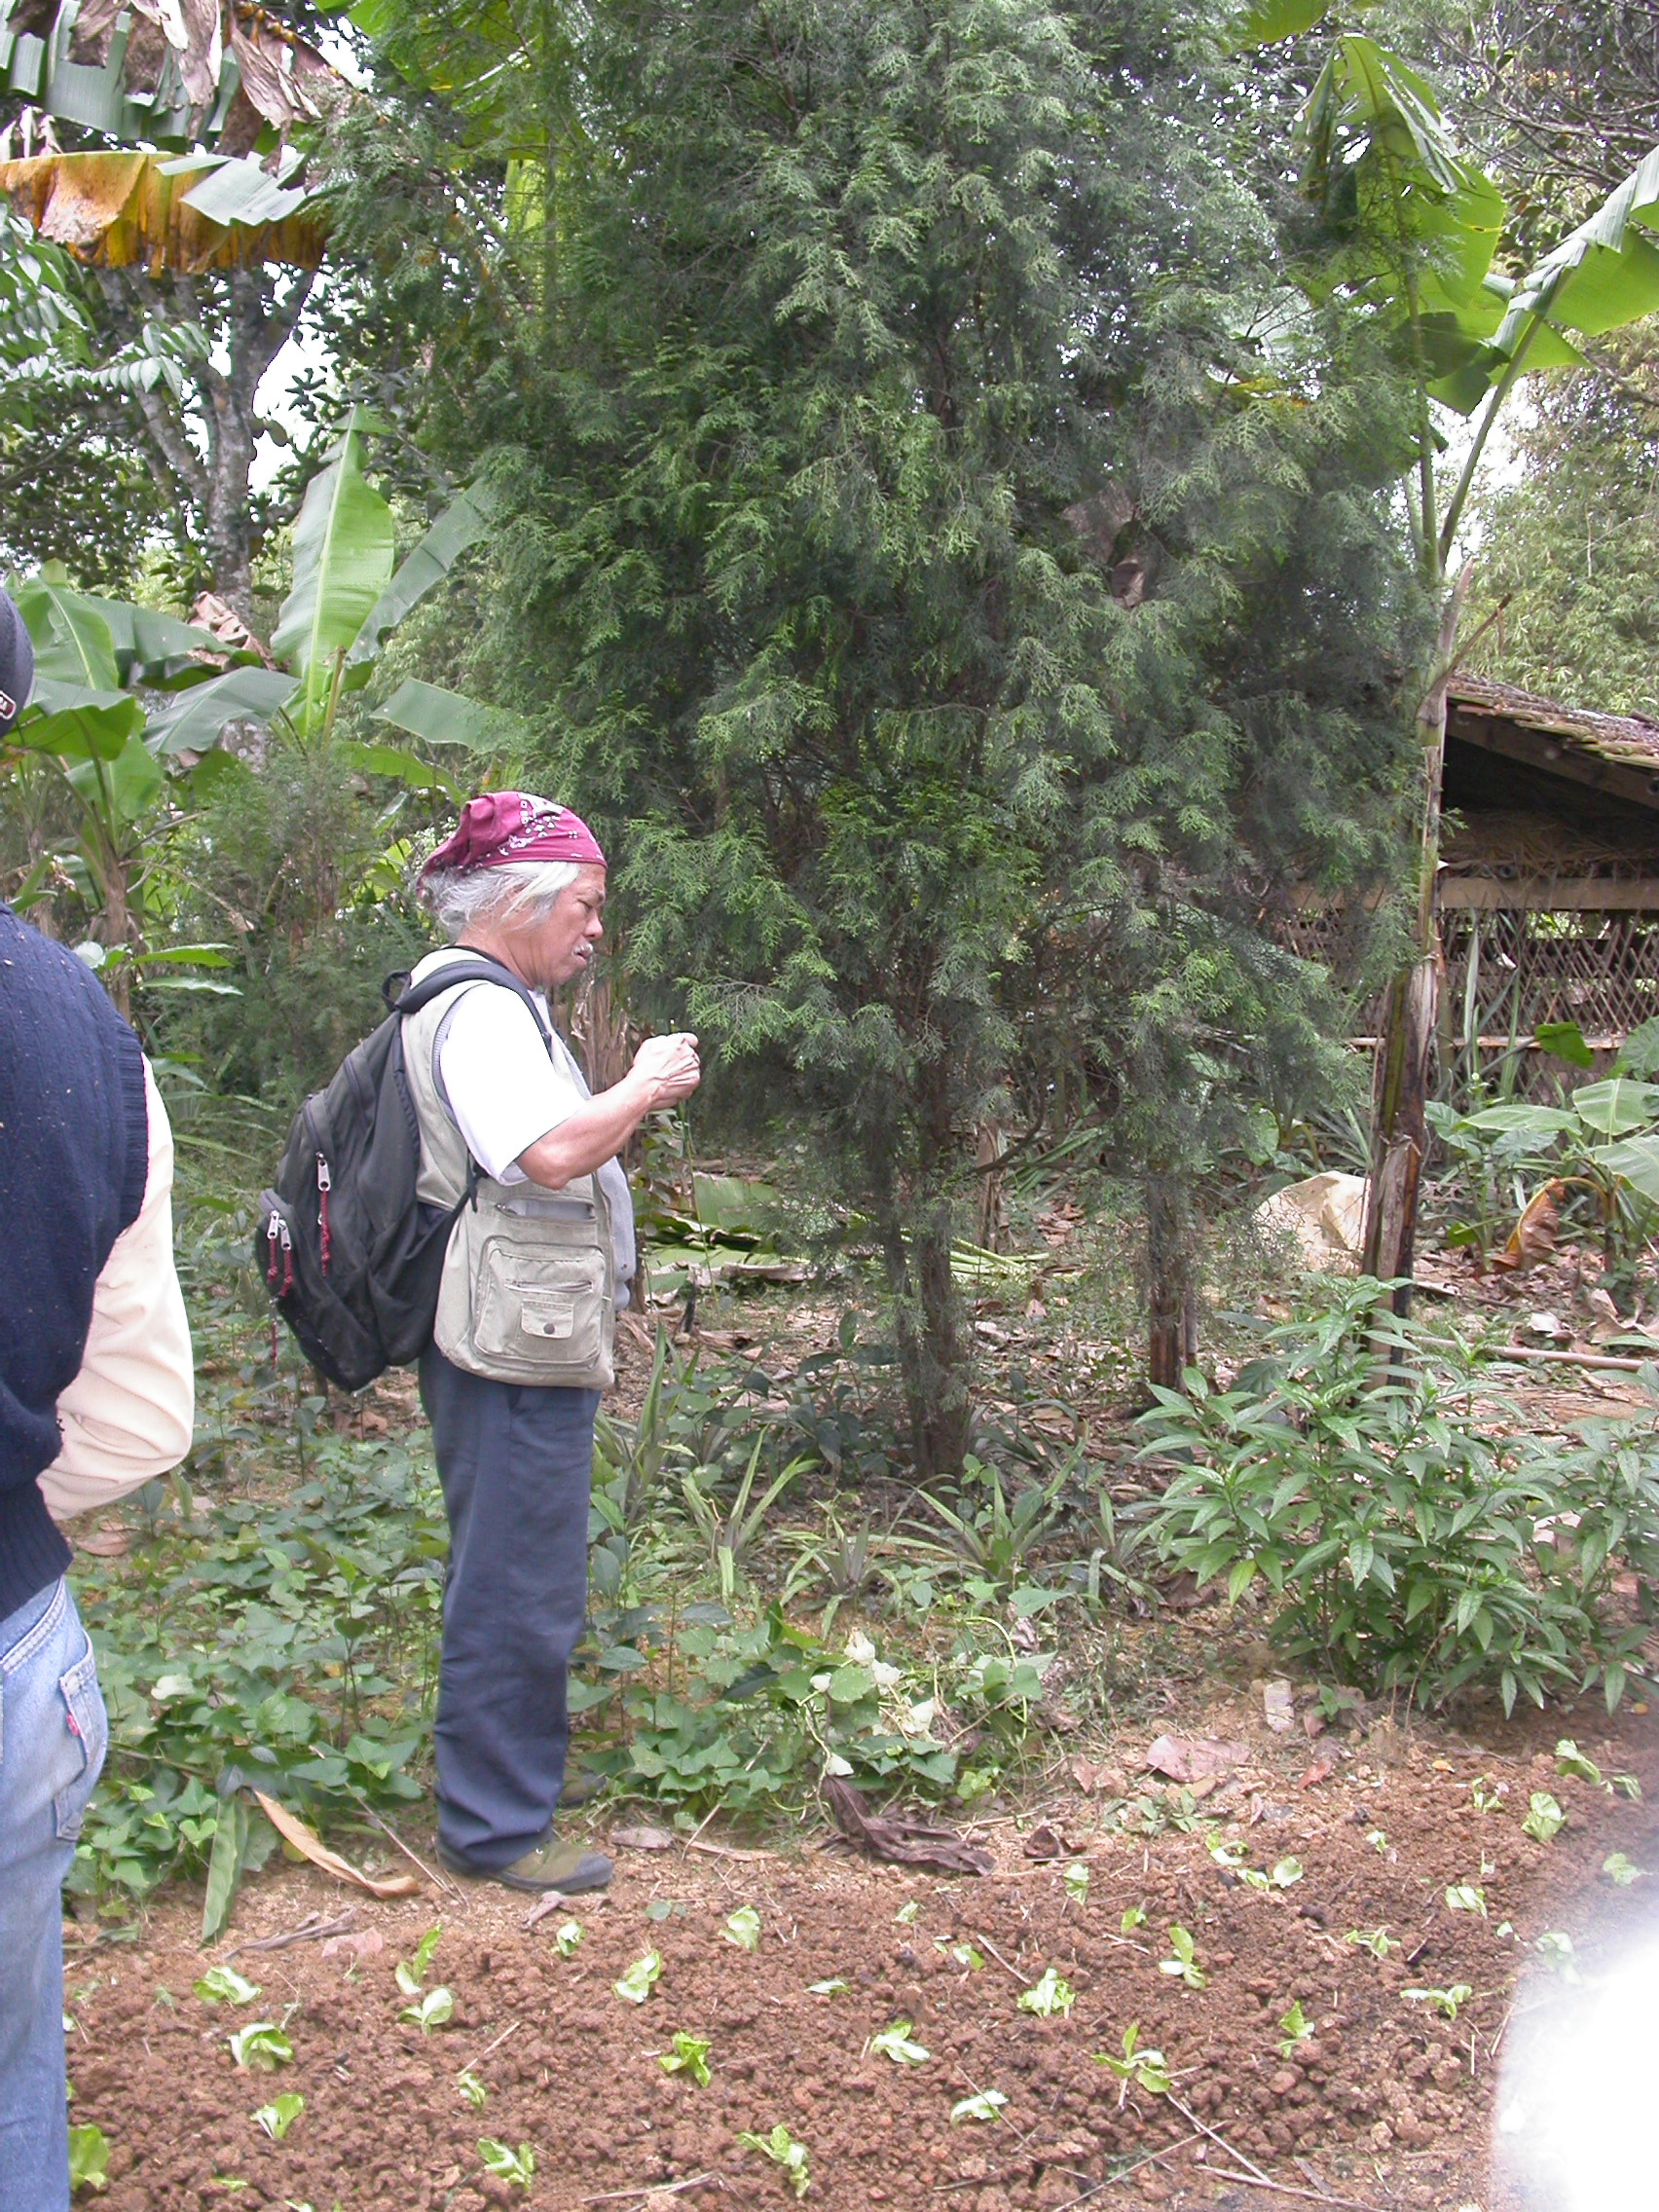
(668, 1068)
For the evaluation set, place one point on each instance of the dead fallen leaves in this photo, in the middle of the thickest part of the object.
(909, 1843)
(311, 1846)
(1192, 1758)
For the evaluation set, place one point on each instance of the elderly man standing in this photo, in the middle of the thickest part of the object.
(536, 1266)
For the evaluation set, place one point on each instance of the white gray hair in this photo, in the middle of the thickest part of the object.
(524, 891)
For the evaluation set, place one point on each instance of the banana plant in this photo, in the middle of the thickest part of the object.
(1413, 228)
(344, 600)
(130, 705)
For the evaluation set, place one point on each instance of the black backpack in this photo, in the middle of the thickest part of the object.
(351, 1257)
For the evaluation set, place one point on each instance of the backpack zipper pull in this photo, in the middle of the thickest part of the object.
(287, 1261)
(324, 1184)
(271, 1231)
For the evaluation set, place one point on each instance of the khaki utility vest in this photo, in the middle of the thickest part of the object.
(528, 1290)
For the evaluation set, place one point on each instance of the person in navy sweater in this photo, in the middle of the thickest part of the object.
(95, 1398)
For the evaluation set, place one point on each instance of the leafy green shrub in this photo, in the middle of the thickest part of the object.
(1412, 1532)
(287, 1642)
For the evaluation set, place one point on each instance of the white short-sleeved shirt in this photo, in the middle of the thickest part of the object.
(504, 1089)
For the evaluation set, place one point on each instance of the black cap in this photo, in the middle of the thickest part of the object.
(17, 663)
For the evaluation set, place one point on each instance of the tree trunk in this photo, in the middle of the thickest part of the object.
(929, 1320)
(1172, 1301)
(1399, 1128)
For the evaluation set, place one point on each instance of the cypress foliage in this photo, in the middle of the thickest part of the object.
(959, 611)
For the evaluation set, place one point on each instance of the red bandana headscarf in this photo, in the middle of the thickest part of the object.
(506, 826)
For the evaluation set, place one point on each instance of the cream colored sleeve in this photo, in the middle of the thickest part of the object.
(129, 1414)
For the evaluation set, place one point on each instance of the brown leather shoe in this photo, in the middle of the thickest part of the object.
(564, 1866)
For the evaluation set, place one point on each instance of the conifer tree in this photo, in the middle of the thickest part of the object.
(959, 664)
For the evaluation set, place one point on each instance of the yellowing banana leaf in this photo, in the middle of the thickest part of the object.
(115, 209)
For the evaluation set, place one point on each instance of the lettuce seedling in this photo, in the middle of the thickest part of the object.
(895, 2043)
(985, 2105)
(1132, 1918)
(783, 2151)
(1621, 1871)
(1184, 1964)
(261, 2043)
(1076, 1879)
(1048, 1995)
(1294, 2028)
(641, 1978)
(1377, 1940)
(906, 1916)
(280, 2115)
(1287, 1873)
(471, 2089)
(222, 1985)
(1137, 2069)
(834, 1987)
(1546, 1818)
(1444, 2001)
(1466, 1896)
(430, 2011)
(515, 2167)
(566, 1938)
(412, 1972)
(742, 1928)
(88, 2159)
(690, 2055)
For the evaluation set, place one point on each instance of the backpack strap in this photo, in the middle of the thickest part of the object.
(476, 968)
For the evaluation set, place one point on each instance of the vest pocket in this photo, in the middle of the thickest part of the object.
(538, 1309)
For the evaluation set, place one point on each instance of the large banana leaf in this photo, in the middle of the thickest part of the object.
(97, 726)
(124, 788)
(446, 718)
(243, 695)
(1636, 1160)
(344, 546)
(73, 642)
(1617, 1107)
(462, 524)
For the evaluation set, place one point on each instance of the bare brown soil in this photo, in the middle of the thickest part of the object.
(1385, 2106)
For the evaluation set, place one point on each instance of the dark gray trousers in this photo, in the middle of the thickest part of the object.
(515, 1463)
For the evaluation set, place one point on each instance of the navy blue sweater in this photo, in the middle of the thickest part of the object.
(74, 1155)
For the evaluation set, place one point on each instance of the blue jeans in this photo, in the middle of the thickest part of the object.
(52, 1738)
(515, 1462)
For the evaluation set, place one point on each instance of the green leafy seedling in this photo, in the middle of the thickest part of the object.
(471, 2089)
(742, 1928)
(966, 1956)
(895, 2043)
(1287, 1873)
(1554, 1947)
(1294, 2028)
(88, 2159)
(1133, 1916)
(783, 2151)
(1184, 1964)
(1377, 1940)
(986, 2104)
(1137, 2069)
(690, 2055)
(412, 1972)
(1048, 1995)
(280, 2115)
(1546, 1818)
(1570, 1760)
(262, 2044)
(1488, 1796)
(641, 1978)
(1448, 2002)
(1466, 1896)
(906, 1916)
(222, 1985)
(516, 2168)
(566, 1936)
(1076, 1879)
(834, 1987)
(1626, 1785)
(1377, 1840)
(1621, 1871)
(431, 2011)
